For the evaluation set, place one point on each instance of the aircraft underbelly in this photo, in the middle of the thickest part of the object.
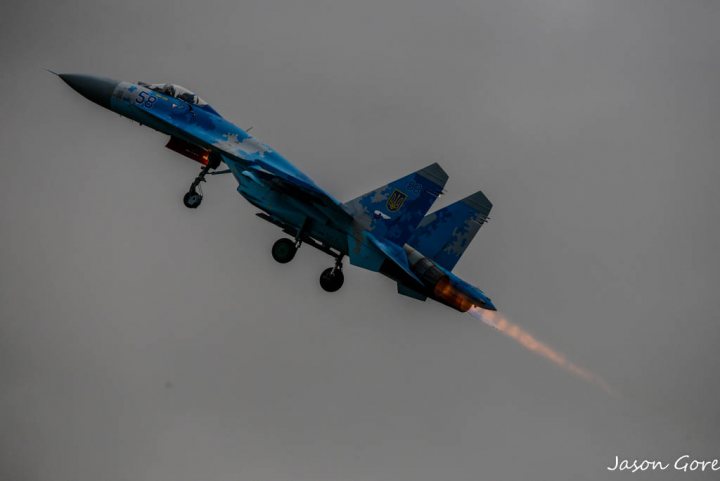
(291, 213)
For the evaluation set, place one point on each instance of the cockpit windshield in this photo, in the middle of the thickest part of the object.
(175, 91)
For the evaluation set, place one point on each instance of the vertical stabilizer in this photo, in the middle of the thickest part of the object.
(393, 211)
(445, 234)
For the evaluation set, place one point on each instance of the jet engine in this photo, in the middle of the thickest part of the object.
(439, 284)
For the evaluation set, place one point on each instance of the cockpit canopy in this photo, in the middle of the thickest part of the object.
(176, 91)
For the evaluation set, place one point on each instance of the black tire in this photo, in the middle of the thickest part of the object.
(283, 250)
(331, 279)
(192, 199)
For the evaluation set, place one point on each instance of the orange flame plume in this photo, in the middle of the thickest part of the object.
(515, 332)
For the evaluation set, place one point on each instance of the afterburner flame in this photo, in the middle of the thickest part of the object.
(524, 338)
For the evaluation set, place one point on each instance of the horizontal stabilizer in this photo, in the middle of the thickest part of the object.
(445, 234)
(373, 254)
(393, 211)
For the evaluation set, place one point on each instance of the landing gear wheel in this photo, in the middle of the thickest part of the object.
(283, 250)
(332, 279)
(192, 199)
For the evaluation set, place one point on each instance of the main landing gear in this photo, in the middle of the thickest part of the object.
(284, 250)
(331, 279)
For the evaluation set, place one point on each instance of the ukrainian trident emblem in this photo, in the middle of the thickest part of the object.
(396, 200)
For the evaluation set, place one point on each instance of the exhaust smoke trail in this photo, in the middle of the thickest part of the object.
(524, 338)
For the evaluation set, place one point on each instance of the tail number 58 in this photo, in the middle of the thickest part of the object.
(145, 99)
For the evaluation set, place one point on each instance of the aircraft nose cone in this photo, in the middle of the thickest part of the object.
(97, 89)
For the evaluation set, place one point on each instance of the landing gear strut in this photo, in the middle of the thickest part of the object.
(332, 278)
(192, 197)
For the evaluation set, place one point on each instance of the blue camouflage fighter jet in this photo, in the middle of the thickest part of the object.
(386, 230)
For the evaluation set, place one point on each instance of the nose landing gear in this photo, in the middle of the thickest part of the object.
(192, 197)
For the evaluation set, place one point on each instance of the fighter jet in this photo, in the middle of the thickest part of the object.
(386, 230)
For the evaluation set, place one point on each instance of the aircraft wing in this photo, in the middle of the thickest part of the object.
(309, 193)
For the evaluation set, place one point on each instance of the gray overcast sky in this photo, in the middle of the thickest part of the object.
(140, 340)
